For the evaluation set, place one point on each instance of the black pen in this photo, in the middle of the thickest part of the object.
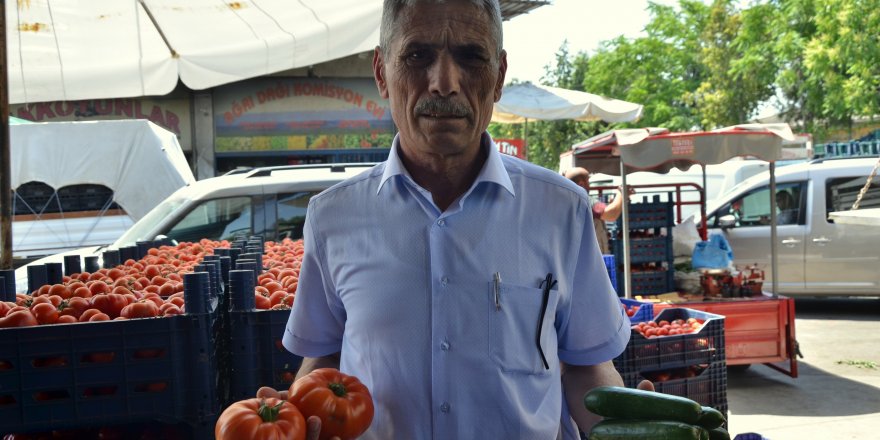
(546, 285)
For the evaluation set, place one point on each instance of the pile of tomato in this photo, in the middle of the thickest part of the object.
(147, 288)
(654, 329)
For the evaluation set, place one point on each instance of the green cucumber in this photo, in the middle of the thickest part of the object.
(619, 429)
(710, 418)
(719, 434)
(635, 404)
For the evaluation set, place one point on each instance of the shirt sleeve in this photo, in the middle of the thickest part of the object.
(597, 329)
(317, 320)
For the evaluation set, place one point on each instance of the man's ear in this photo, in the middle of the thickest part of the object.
(379, 73)
(502, 71)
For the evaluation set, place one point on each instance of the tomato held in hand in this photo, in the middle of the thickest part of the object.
(261, 418)
(342, 402)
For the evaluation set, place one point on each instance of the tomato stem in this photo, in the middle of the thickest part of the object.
(337, 388)
(268, 413)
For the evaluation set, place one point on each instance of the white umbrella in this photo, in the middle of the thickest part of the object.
(527, 101)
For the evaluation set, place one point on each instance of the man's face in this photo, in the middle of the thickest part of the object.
(442, 75)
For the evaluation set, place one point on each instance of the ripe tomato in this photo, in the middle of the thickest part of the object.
(261, 302)
(260, 418)
(342, 402)
(111, 303)
(140, 309)
(45, 313)
(60, 290)
(86, 315)
(66, 319)
(18, 318)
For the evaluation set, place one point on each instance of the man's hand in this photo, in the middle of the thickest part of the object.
(646, 385)
(313, 428)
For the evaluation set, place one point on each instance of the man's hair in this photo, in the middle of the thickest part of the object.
(577, 174)
(391, 9)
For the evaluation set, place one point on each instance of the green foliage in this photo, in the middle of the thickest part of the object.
(704, 64)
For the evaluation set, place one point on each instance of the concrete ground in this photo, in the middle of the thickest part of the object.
(837, 393)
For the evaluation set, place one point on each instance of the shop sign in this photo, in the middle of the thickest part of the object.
(513, 147)
(170, 113)
(301, 113)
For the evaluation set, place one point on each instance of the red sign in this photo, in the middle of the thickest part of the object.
(513, 147)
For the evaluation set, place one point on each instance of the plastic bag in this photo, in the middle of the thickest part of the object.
(713, 254)
(685, 237)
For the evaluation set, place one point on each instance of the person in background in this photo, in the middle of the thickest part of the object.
(786, 206)
(463, 287)
(601, 212)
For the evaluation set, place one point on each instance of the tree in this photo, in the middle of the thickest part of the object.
(546, 140)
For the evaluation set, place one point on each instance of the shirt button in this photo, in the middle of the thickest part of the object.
(444, 346)
(444, 281)
(444, 407)
(441, 222)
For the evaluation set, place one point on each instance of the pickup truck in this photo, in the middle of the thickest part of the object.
(816, 256)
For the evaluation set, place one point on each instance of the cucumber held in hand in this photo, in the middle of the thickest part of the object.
(619, 429)
(710, 418)
(634, 404)
(719, 434)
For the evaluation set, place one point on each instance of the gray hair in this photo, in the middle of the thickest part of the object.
(391, 9)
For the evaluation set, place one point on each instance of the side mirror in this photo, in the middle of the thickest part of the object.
(165, 240)
(727, 221)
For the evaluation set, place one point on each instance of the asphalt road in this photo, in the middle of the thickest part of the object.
(837, 392)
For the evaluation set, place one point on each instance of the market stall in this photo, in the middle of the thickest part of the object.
(759, 324)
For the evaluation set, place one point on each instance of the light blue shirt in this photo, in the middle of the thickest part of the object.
(406, 293)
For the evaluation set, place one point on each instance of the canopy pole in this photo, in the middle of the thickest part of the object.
(624, 233)
(5, 153)
(774, 266)
(525, 135)
(704, 230)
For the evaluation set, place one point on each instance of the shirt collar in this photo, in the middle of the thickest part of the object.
(493, 170)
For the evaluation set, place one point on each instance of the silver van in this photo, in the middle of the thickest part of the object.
(816, 256)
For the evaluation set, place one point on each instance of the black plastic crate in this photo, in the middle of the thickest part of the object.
(648, 216)
(645, 250)
(708, 387)
(80, 375)
(653, 282)
(256, 356)
(649, 354)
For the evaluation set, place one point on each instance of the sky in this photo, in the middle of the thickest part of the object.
(531, 40)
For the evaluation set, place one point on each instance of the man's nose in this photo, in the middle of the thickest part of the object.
(445, 76)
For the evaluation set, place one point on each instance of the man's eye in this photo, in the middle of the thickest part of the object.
(417, 56)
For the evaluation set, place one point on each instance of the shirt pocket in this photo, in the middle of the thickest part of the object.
(513, 328)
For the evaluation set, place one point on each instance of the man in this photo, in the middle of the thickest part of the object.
(427, 276)
(601, 212)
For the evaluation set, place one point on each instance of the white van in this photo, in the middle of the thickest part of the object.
(816, 256)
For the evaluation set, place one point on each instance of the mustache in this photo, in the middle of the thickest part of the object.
(443, 106)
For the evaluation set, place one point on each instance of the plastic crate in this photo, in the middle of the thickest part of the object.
(653, 282)
(611, 268)
(708, 388)
(648, 215)
(256, 356)
(80, 375)
(646, 250)
(645, 311)
(703, 347)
